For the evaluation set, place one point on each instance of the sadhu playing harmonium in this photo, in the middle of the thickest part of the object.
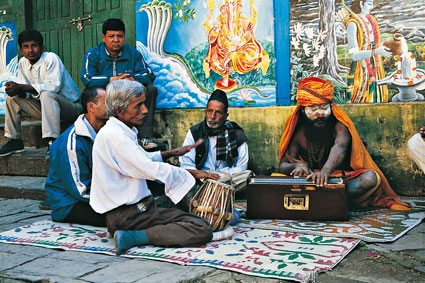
(320, 141)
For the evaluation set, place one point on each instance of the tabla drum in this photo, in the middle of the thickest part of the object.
(214, 202)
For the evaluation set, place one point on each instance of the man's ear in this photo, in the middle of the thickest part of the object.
(90, 106)
(227, 115)
(119, 112)
(42, 48)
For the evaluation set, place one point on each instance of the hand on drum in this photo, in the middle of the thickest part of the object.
(201, 174)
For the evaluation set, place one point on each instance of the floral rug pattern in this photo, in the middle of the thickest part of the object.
(377, 225)
(264, 253)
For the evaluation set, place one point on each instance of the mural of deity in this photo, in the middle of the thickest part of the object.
(189, 65)
(232, 46)
(366, 51)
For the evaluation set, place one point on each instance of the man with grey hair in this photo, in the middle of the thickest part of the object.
(120, 170)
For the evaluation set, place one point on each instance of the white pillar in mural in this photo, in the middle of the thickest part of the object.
(5, 37)
(160, 16)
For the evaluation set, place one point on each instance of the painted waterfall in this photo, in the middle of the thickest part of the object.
(8, 58)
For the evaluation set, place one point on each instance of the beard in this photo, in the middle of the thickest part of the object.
(319, 135)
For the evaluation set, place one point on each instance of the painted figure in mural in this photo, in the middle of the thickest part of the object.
(120, 170)
(224, 150)
(69, 180)
(232, 46)
(115, 60)
(366, 51)
(44, 90)
(319, 141)
(416, 146)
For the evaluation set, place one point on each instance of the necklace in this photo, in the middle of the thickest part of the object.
(316, 152)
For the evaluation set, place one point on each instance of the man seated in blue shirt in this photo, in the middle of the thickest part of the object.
(114, 60)
(69, 181)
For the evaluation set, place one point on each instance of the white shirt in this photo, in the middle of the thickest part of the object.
(121, 168)
(47, 74)
(187, 161)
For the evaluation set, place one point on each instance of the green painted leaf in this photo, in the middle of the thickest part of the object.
(249, 102)
(292, 257)
(304, 239)
(233, 99)
(307, 256)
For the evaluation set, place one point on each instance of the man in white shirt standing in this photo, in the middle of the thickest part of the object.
(44, 90)
(120, 170)
(224, 149)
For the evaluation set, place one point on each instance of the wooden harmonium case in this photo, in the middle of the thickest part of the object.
(290, 198)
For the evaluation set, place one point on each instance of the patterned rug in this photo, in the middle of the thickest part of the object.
(264, 253)
(377, 225)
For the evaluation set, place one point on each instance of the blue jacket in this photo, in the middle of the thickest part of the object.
(99, 67)
(70, 168)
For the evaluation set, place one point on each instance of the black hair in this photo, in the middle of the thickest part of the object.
(29, 35)
(89, 95)
(113, 24)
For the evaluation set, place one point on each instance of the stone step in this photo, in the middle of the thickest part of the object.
(31, 162)
(22, 187)
(30, 131)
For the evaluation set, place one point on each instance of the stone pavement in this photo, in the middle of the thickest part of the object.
(400, 261)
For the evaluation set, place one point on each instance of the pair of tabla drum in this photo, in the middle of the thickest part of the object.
(214, 202)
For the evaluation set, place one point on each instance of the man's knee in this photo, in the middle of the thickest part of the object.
(13, 100)
(369, 179)
(47, 96)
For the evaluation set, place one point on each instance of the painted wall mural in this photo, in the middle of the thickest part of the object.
(372, 51)
(196, 47)
(8, 58)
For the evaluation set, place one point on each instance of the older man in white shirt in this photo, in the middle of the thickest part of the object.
(225, 148)
(44, 90)
(120, 170)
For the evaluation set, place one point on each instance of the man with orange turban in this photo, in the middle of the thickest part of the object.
(319, 141)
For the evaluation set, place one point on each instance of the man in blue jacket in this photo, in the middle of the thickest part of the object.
(69, 180)
(114, 60)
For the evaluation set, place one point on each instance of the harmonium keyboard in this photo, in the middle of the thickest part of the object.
(292, 198)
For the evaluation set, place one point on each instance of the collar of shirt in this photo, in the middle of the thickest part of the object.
(132, 132)
(92, 132)
(109, 54)
(37, 64)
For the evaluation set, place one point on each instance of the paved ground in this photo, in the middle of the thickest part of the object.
(401, 261)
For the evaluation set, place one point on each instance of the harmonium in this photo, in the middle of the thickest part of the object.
(292, 198)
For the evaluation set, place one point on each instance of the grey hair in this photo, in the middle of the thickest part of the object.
(120, 93)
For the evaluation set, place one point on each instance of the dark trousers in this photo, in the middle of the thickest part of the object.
(146, 129)
(82, 213)
(166, 227)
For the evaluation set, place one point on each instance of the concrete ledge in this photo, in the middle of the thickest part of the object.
(32, 162)
(13, 187)
(30, 131)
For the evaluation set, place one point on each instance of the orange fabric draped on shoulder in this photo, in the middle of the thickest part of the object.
(360, 159)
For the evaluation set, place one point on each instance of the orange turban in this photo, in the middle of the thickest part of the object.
(312, 90)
